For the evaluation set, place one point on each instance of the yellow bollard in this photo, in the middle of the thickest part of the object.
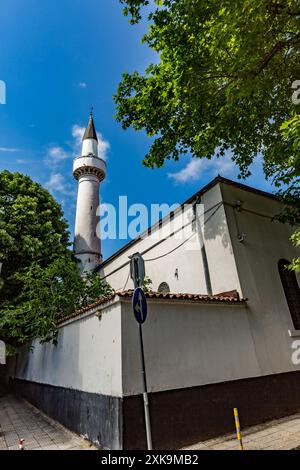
(238, 428)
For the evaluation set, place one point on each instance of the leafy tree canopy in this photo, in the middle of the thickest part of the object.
(223, 81)
(32, 229)
(40, 281)
(227, 79)
(49, 294)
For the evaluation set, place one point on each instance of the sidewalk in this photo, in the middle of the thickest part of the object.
(280, 434)
(19, 420)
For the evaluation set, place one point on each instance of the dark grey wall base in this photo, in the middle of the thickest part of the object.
(178, 417)
(186, 416)
(97, 416)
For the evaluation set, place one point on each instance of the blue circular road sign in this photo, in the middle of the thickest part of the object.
(139, 303)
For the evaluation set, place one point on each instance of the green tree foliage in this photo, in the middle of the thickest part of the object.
(32, 229)
(48, 295)
(147, 284)
(225, 80)
(40, 278)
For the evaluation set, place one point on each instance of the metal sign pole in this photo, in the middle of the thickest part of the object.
(145, 393)
(139, 303)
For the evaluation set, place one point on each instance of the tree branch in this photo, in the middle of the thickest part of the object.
(277, 48)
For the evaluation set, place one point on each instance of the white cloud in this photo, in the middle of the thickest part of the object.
(55, 154)
(197, 167)
(8, 149)
(58, 184)
(82, 85)
(21, 161)
(103, 146)
(190, 173)
(77, 133)
(58, 153)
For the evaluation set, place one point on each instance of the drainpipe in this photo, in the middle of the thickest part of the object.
(203, 249)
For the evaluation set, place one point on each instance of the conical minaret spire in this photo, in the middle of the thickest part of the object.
(90, 132)
(89, 170)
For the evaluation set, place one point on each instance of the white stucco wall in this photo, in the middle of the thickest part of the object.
(87, 356)
(257, 258)
(220, 257)
(188, 265)
(187, 259)
(188, 344)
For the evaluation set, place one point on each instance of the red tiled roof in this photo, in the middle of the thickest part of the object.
(231, 297)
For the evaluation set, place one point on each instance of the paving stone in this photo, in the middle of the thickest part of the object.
(278, 434)
(19, 420)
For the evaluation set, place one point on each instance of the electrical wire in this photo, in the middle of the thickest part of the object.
(186, 240)
(172, 251)
(250, 211)
(126, 281)
(215, 206)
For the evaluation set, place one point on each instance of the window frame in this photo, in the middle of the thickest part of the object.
(291, 290)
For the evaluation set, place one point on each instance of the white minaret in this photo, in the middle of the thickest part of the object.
(89, 170)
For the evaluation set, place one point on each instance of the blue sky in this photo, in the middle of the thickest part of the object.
(59, 58)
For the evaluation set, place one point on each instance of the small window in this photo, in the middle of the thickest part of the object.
(164, 288)
(292, 291)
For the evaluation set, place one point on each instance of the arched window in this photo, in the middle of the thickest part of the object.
(292, 291)
(164, 288)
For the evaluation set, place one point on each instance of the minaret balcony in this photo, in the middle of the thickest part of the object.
(89, 164)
